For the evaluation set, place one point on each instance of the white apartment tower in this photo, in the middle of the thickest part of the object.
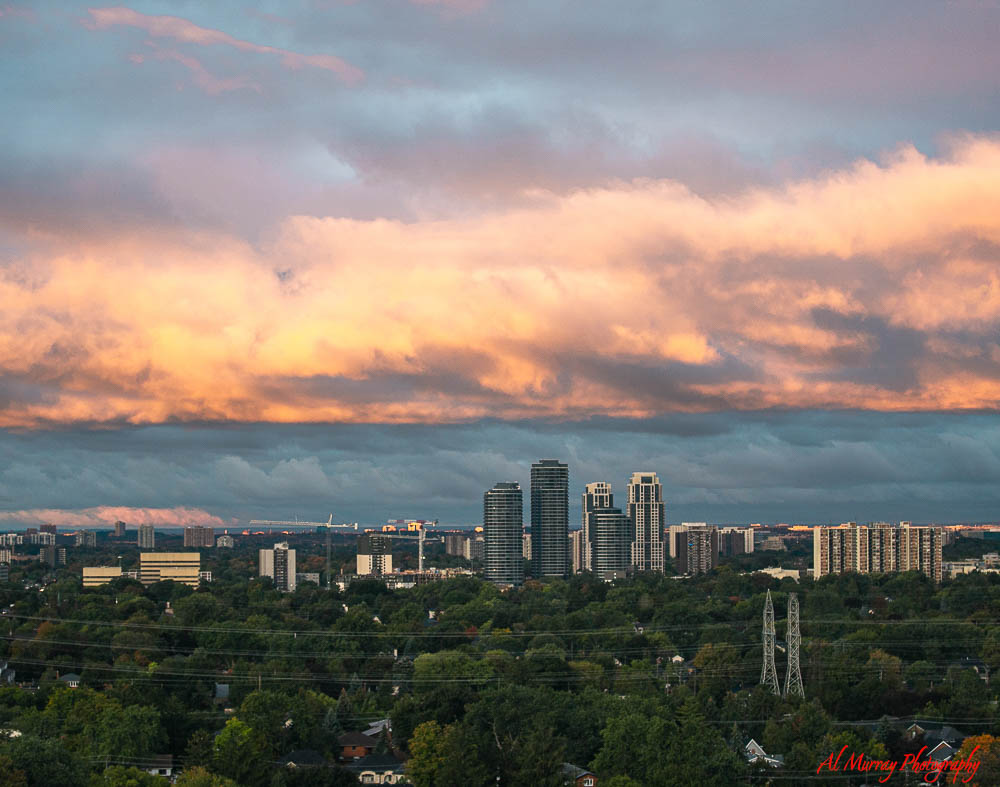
(646, 517)
(279, 565)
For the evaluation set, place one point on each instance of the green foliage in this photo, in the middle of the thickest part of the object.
(121, 776)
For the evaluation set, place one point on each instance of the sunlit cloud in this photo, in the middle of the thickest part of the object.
(185, 31)
(873, 287)
(104, 516)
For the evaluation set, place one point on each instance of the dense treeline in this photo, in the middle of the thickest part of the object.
(652, 680)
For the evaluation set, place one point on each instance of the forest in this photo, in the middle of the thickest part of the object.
(651, 680)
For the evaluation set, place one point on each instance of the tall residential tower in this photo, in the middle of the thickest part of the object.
(503, 529)
(646, 516)
(549, 518)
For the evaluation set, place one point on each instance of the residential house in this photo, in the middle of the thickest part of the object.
(754, 752)
(159, 765)
(71, 679)
(355, 745)
(577, 776)
(379, 769)
(305, 758)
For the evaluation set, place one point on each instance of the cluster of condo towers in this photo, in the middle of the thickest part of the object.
(769, 674)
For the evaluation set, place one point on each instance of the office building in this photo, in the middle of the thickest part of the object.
(646, 518)
(302, 577)
(225, 542)
(279, 565)
(93, 576)
(374, 555)
(119, 529)
(147, 537)
(183, 567)
(595, 495)
(503, 531)
(697, 549)
(577, 548)
(877, 548)
(198, 536)
(85, 538)
(549, 518)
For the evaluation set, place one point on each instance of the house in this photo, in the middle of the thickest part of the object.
(71, 679)
(577, 776)
(943, 752)
(977, 665)
(305, 758)
(355, 745)
(934, 732)
(754, 752)
(379, 769)
(159, 765)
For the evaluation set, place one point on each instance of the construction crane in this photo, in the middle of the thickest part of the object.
(329, 525)
(420, 538)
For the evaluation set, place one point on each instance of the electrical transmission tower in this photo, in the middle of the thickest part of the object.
(793, 679)
(769, 675)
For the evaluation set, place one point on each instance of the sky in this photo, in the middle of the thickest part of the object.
(369, 257)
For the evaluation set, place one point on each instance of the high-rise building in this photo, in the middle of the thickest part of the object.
(48, 529)
(52, 555)
(475, 548)
(374, 555)
(611, 547)
(595, 495)
(6, 555)
(84, 538)
(697, 550)
(225, 542)
(454, 544)
(279, 565)
(119, 529)
(735, 540)
(878, 548)
(526, 546)
(503, 529)
(181, 567)
(577, 547)
(549, 518)
(646, 516)
(198, 536)
(147, 537)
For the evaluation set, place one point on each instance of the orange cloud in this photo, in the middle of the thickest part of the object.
(873, 287)
(103, 516)
(186, 31)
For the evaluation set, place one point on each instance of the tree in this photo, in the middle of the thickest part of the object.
(200, 777)
(987, 754)
(426, 754)
(44, 762)
(11, 776)
(120, 776)
(240, 753)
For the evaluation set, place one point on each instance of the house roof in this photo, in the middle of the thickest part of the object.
(380, 763)
(69, 676)
(936, 731)
(356, 739)
(571, 771)
(158, 761)
(943, 751)
(375, 728)
(304, 758)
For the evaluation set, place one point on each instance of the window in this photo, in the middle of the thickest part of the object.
(588, 782)
(367, 778)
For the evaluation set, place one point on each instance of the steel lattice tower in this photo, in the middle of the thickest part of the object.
(793, 678)
(769, 675)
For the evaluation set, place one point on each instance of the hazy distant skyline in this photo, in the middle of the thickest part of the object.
(263, 261)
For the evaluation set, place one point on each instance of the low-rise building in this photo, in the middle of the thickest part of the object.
(184, 567)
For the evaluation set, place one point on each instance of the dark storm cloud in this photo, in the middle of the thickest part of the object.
(758, 466)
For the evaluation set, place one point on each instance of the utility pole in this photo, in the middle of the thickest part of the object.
(793, 678)
(769, 675)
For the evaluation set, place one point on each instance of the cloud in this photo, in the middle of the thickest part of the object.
(102, 516)
(874, 286)
(185, 31)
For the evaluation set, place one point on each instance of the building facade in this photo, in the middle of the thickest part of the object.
(595, 495)
(374, 555)
(84, 538)
(611, 545)
(577, 548)
(147, 537)
(503, 531)
(197, 536)
(549, 518)
(697, 549)
(877, 548)
(181, 567)
(646, 518)
(225, 542)
(119, 529)
(279, 564)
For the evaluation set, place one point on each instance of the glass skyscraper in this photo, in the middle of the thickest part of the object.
(550, 518)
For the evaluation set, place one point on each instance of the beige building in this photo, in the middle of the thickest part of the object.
(877, 548)
(179, 566)
(94, 576)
